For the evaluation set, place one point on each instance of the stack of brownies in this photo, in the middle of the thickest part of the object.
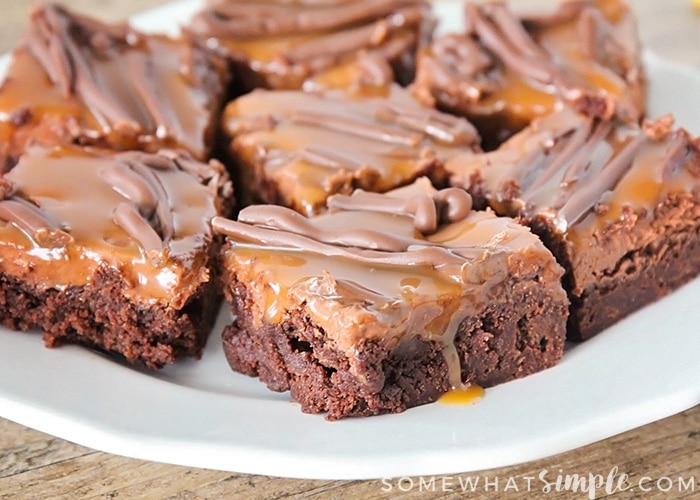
(415, 213)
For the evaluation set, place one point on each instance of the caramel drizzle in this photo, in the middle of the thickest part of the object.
(447, 205)
(332, 288)
(245, 20)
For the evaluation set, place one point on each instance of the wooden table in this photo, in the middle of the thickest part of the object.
(35, 465)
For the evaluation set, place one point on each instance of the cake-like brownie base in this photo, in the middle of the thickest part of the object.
(669, 259)
(99, 316)
(506, 342)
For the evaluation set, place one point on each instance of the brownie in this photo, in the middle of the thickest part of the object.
(509, 67)
(387, 301)
(112, 250)
(75, 80)
(277, 44)
(295, 148)
(618, 205)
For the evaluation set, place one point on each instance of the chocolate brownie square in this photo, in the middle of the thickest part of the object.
(509, 67)
(618, 205)
(75, 80)
(112, 250)
(295, 148)
(307, 44)
(387, 301)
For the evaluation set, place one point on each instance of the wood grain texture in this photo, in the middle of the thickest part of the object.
(35, 465)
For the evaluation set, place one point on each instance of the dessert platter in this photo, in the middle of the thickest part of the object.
(437, 275)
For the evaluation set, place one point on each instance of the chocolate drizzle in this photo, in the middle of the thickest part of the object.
(282, 227)
(59, 40)
(132, 221)
(428, 212)
(148, 218)
(147, 187)
(355, 127)
(292, 230)
(33, 222)
(440, 126)
(585, 198)
(363, 265)
(349, 40)
(326, 158)
(503, 34)
(249, 20)
(30, 219)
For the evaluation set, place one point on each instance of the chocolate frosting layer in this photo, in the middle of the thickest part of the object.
(312, 145)
(363, 270)
(318, 44)
(70, 211)
(76, 79)
(519, 66)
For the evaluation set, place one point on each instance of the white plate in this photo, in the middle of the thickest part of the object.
(202, 414)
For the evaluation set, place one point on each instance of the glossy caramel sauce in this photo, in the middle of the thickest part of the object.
(463, 396)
